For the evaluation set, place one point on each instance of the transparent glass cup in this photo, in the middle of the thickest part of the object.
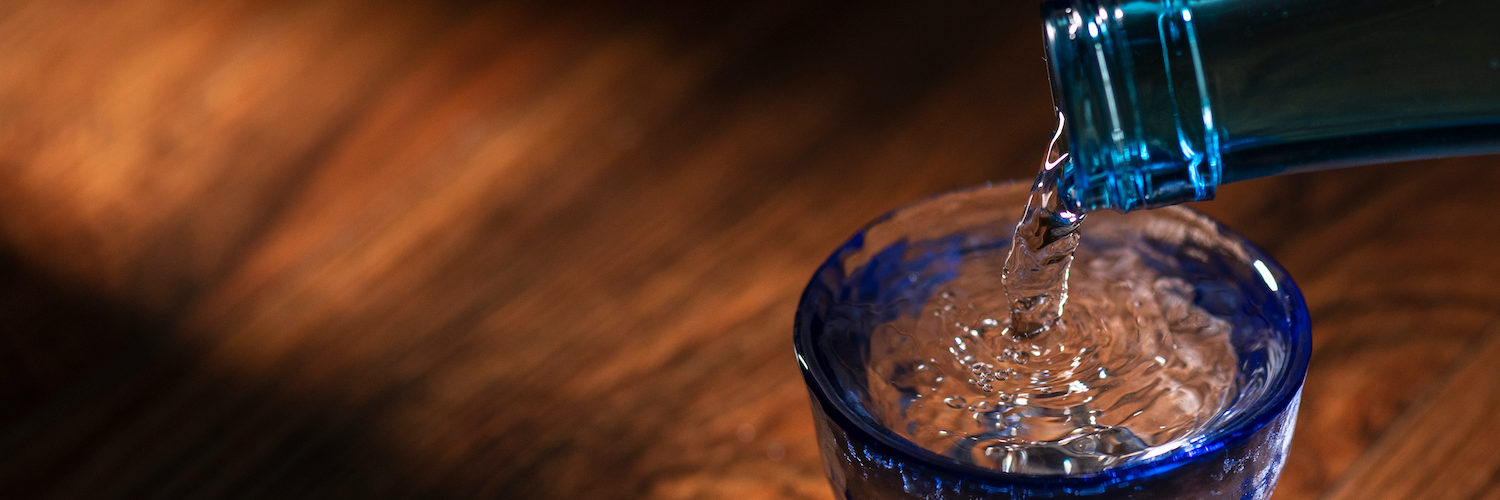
(902, 257)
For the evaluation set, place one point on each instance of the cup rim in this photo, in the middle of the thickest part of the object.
(1287, 385)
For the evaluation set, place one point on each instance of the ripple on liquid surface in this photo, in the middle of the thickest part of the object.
(1132, 369)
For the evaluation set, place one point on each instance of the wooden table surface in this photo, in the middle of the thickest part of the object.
(379, 249)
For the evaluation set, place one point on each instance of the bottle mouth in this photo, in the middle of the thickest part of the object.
(1129, 78)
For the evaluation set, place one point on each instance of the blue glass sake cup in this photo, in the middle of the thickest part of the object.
(900, 258)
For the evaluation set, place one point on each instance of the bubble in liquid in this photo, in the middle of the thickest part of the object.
(955, 402)
(1085, 443)
(1020, 357)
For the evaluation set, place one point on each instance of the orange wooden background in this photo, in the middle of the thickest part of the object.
(372, 249)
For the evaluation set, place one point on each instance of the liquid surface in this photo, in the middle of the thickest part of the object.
(1038, 361)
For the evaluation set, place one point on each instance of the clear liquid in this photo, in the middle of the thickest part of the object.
(1067, 364)
(1035, 276)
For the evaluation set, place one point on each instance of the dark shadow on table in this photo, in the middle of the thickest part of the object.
(95, 398)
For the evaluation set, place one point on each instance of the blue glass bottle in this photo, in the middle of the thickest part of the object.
(1167, 99)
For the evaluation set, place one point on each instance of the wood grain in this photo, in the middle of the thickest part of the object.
(1446, 459)
(373, 249)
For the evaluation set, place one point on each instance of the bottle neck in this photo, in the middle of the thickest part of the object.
(1129, 77)
(1166, 99)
